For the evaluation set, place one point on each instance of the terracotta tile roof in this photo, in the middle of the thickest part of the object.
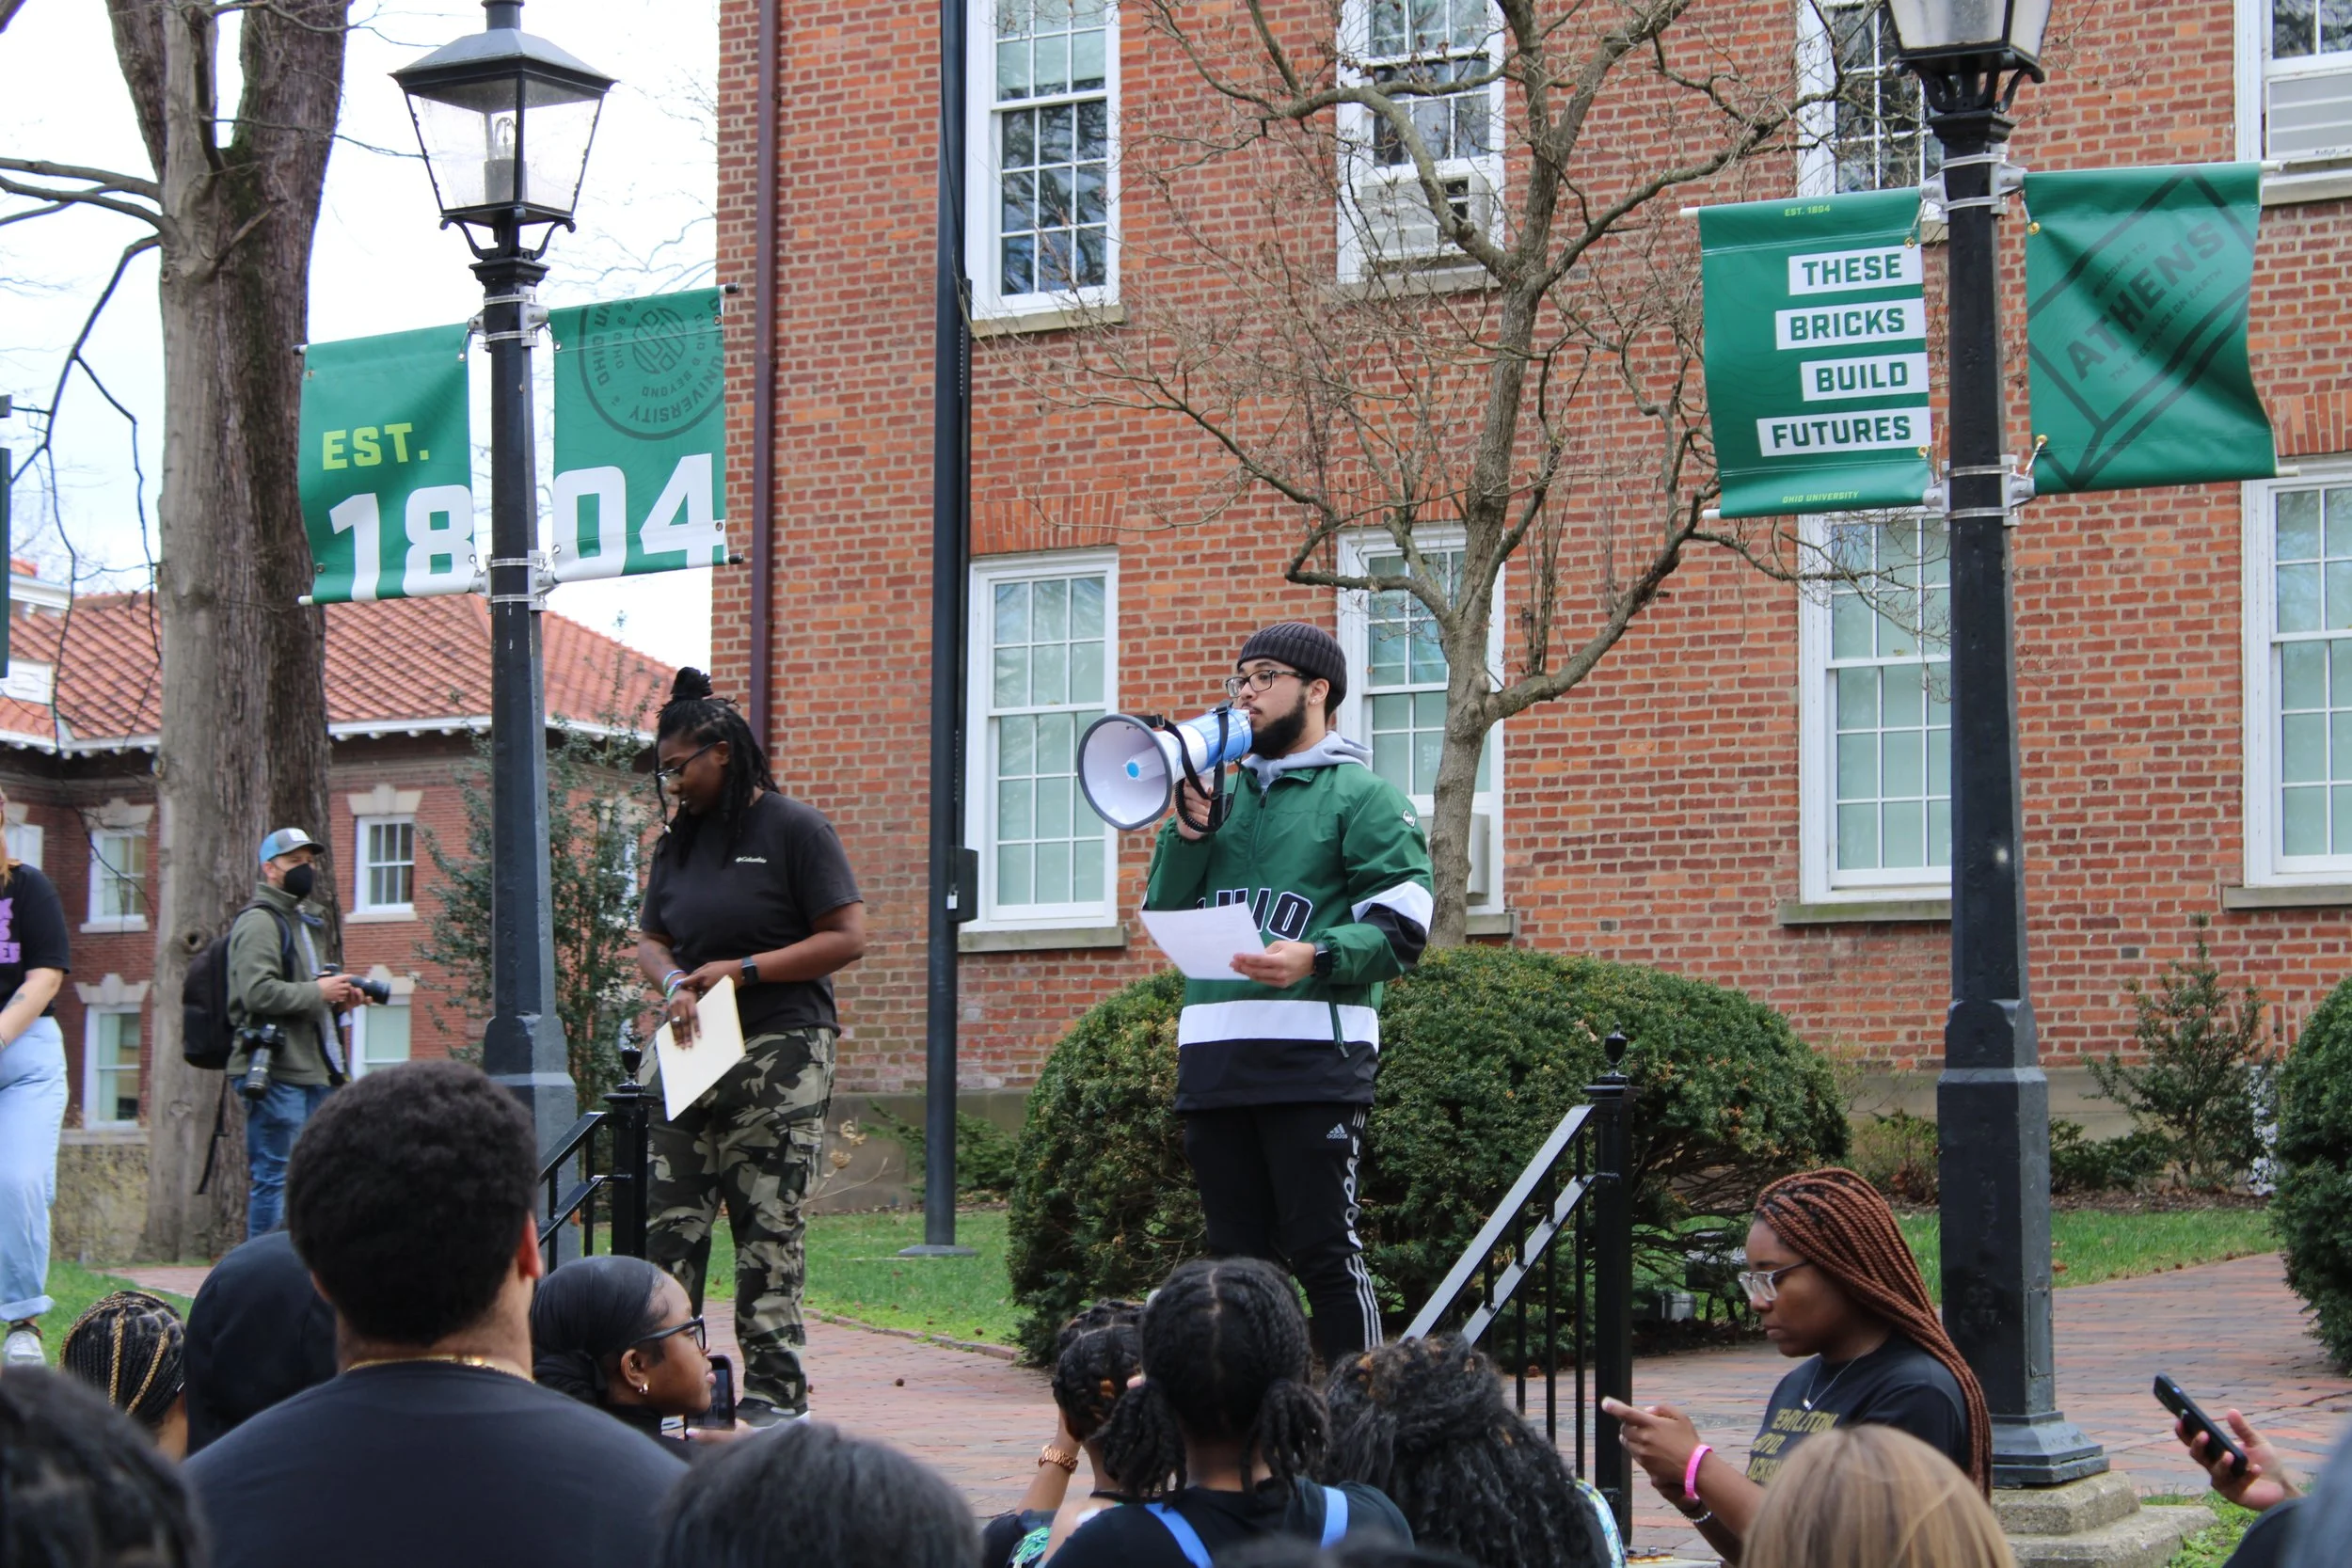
(404, 664)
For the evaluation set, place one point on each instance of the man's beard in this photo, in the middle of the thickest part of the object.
(1274, 737)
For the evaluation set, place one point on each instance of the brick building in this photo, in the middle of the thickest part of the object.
(408, 693)
(1704, 802)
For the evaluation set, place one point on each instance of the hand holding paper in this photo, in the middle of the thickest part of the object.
(689, 1068)
(1205, 943)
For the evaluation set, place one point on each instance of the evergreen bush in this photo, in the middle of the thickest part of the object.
(1484, 1048)
(2202, 1088)
(2313, 1203)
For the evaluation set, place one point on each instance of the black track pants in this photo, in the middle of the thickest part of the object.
(1279, 1182)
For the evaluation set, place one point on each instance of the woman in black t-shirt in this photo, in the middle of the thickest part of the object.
(751, 888)
(1832, 1281)
(33, 965)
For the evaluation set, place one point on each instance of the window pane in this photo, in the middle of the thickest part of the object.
(1903, 764)
(1052, 871)
(2341, 818)
(1012, 70)
(2303, 821)
(1085, 870)
(1049, 672)
(1051, 72)
(1085, 60)
(1857, 767)
(1857, 699)
(1086, 672)
(1016, 803)
(1851, 626)
(1857, 837)
(1890, 723)
(1903, 696)
(1053, 808)
(2297, 537)
(2303, 673)
(2339, 594)
(2299, 598)
(386, 1036)
(1014, 864)
(1056, 739)
(2304, 748)
(1905, 839)
(1085, 607)
(2292, 34)
(1012, 676)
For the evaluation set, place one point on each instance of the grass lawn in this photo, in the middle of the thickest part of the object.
(2211, 1548)
(73, 1288)
(854, 1270)
(2089, 1245)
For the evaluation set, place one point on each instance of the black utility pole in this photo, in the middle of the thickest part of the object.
(1613, 1282)
(1993, 1102)
(951, 508)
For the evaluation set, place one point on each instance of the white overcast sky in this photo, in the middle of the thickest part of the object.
(381, 264)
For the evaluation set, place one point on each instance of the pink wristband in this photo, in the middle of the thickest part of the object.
(1690, 1475)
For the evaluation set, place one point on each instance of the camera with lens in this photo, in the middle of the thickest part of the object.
(262, 1041)
(378, 991)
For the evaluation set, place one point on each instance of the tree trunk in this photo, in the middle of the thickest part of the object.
(244, 744)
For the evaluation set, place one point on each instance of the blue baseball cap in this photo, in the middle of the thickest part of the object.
(284, 841)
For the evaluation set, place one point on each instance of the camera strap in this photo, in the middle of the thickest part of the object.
(220, 1128)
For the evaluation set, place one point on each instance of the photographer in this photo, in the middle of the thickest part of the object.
(280, 1003)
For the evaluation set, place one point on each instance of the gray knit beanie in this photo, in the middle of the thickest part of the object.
(1310, 650)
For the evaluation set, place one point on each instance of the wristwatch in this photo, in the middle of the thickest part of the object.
(1323, 959)
(751, 971)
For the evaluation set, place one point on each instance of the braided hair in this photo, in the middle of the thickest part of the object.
(1225, 1360)
(1425, 1421)
(1837, 1222)
(693, 712)
(130, 1347)
(1095, 1355)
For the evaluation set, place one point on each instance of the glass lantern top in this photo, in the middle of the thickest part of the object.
(506, 120)
(1977, 27)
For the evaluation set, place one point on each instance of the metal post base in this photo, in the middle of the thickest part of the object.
(2043, 1450)
(926, 1249)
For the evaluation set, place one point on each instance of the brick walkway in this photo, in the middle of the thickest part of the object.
(2231, 1333)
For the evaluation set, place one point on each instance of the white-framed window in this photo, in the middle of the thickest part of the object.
(2295, 88)
(110, 1066)
(27, 841)
(118, 879)
(385, 866)
(1386, 222)
(1396, 696)
(379, 1036)
(1874, 751)
(2298, 676)
(1872, 135)
(1041, 208)
(1043, 661)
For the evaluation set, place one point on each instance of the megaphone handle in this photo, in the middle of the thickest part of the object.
(1212, 786)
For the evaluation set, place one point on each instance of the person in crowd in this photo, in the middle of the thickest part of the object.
(1831, 1280)
(1094, 1356)
(1220, 1440)
(1426, 1422)
(81, 1486)
(132, 1347)
(1275, 1066)
(753, 888)
(2265, 1485)
(1874, 1496)
(32, 964)
(814, 1496)
(410, 1197)
(616, 1333)
(259, 1333)
(274, 981)
(1371, 1551)
(2322, 1522)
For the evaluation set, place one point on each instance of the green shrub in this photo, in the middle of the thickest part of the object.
(1484, 1051)
(1896, 1153)
(984, 1154)
(2080, 1164)
(2203, 1089)
(2312, 1204)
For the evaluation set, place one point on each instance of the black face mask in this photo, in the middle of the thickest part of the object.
(301, 878)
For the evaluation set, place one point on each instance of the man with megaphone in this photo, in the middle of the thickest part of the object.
(1275, 1066)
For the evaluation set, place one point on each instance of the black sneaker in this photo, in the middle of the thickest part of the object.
(760, 1414)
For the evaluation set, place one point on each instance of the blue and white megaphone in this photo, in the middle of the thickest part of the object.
(1129, 763)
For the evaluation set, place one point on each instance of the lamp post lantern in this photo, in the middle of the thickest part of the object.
(506, 120)
(1993, 1102)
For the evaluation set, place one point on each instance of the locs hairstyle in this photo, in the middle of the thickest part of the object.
(813, 1497)
(406, 1196)
(1426, 1422)
(80, 1484)
(694, 713)
(1225, 1358)
(130, 1347)
(1837, 1222)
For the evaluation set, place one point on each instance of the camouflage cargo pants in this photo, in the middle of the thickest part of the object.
(754, 1140)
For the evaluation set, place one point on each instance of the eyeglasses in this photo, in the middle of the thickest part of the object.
(1763, 1285)
(1256, 680)
(670, 775)
(692, 1326)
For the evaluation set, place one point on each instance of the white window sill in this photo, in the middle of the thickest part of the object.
(2327, 182)
(1492, 922)
(385, 916)
(1835, 910)
(2304, 896)
(117, 923)
(1053, 317)
(1440, 277)
(1035, 939)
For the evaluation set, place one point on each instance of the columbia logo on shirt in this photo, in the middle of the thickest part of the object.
(751, 860)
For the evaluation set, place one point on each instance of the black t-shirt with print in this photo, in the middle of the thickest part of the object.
(1131, 1536)
(32, 930)
(768, 889)
(1898, 1384)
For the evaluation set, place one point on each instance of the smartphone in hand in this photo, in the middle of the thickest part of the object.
(721, 1415)
(2217, 1442)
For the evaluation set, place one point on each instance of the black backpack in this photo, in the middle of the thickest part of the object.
(207, 1037)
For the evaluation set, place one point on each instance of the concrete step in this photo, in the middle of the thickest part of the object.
(2146, 1538)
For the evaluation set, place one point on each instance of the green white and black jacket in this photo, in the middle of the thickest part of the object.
(1322, 849)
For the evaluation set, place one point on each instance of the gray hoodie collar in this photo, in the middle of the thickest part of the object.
(1333, 749)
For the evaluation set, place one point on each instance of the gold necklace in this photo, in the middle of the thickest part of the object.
(487, 1363)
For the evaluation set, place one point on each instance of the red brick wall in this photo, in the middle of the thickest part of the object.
(1651, 815)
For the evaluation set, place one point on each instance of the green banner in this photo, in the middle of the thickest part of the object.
(2136, 286)
(640, 437)
(1817, 354)
(386, 466)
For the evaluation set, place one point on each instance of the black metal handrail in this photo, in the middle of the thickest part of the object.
(623, 1183)
(1575, 1184)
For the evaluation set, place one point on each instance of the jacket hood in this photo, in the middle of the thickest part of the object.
(1334, 748)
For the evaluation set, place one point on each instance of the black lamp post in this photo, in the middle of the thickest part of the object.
(506, 120)
(1993, 1102)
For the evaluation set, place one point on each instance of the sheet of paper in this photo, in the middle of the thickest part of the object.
(1202, 943)
(689, 1070)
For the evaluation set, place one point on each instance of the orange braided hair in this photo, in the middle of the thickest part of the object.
(1838, 1222)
